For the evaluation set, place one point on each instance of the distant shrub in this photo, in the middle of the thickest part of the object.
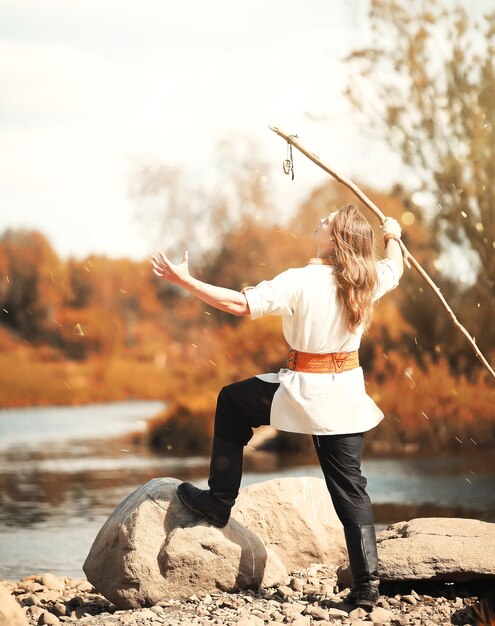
(81, 332)
(186, 426)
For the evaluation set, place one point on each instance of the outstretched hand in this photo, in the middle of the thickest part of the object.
(163, 267)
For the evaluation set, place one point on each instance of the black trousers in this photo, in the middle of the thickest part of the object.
(245, 405)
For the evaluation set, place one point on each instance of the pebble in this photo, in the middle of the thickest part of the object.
(285, 592)
(410, 599)
(33, 613)
(51, 582)
(59, 609)
(28, 599)
(277, 616)
(301, 620)
(358, 613)
(333, 612)
(144, 613)
(48, 619)
(296, 585)
(84, 586)
(383, 602)
(310, 598)
(250, 621)
(327, 589)
(294, 608)
(380, 616)
(317, 612)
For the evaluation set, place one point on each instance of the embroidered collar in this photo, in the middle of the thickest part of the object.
(318, 261)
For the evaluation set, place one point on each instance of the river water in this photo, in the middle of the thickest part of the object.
(64, 469)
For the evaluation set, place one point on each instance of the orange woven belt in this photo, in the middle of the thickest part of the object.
(333, 362)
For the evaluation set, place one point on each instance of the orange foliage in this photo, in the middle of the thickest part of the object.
(81, 332)
(429, 405)
(102, 329)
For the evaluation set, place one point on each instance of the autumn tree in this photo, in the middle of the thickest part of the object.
(426, 82)
(35, 282)
(82, 287)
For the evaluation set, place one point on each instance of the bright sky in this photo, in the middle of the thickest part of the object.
(89, 88)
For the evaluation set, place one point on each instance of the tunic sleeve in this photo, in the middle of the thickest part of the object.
(272, 297)
(388, 278)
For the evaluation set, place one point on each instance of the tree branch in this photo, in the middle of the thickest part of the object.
(408, 258)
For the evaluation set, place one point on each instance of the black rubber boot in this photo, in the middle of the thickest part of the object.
(224, 482)
(363, 558)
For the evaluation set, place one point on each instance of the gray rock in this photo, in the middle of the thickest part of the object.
(358, 613)
(301, 620)
(33, 587)
(292, 609)
(276, 616)
(380, 616)
(33, 613)
(152, 548)
(11, 613)
(59, 609)
(327, 589)
(383, 602)
(145, 613)
(447, 549)
(333, 612)
(285, 592)
(48, 596)
(48, 619)
(296, 585)
(261, 614)
(295, 517)
(51, 582)
(84, 585)
(409, 599)
(27, 599)
(318, 612)
(252, 620)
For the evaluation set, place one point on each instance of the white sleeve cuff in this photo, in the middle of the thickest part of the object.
(255, 303)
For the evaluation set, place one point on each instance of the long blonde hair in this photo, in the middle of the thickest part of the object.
(354, 265)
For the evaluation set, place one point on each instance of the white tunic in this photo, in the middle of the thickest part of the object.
(312, 321)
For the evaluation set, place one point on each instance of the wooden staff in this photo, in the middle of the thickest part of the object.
(408, 257)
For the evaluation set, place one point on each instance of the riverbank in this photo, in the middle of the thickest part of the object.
(430, 408)
(63, 472)
(308, 597)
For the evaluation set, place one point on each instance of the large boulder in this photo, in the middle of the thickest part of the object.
(436, 548)
(11, 613)
(152, 548)
(295, 517)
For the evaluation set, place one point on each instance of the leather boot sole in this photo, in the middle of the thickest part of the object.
(365, 599)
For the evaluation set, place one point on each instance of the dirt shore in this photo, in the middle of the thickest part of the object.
(309, 597)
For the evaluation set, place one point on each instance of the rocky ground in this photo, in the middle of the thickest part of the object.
(309, 597)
